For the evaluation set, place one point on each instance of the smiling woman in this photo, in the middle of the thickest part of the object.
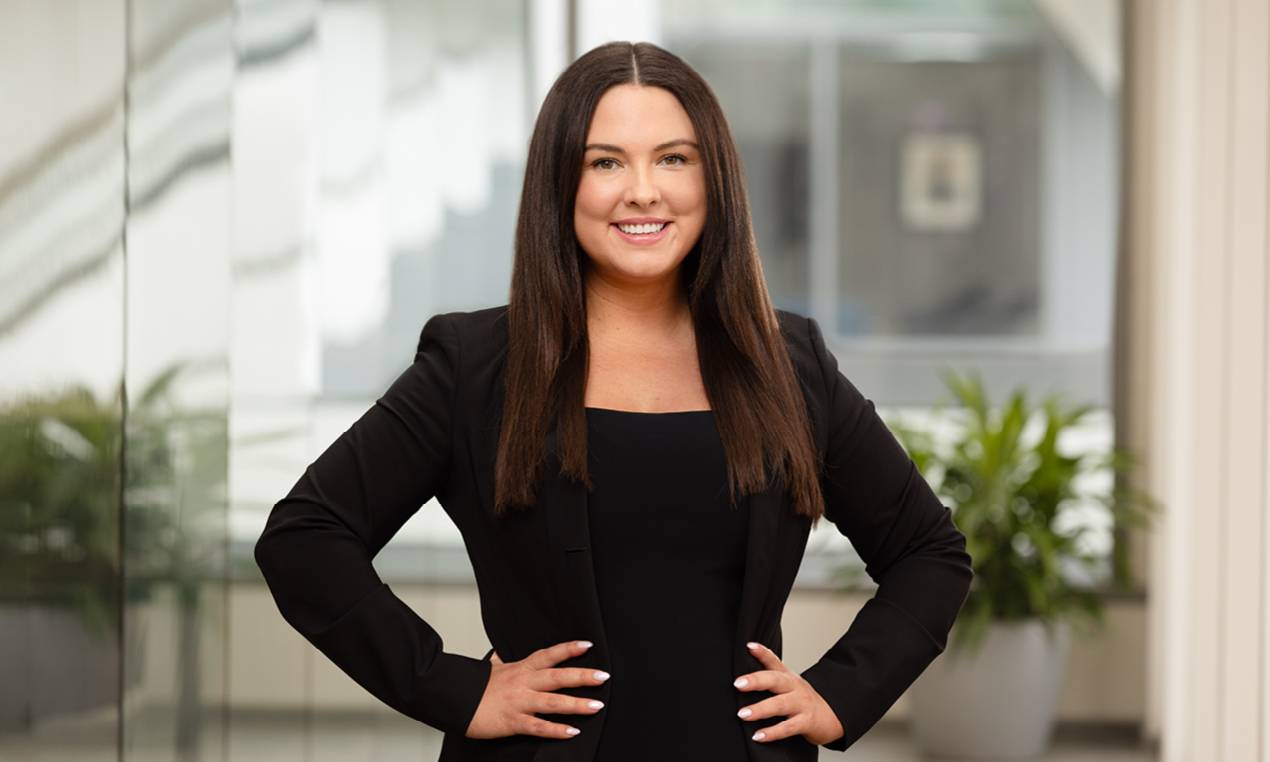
(635, 449)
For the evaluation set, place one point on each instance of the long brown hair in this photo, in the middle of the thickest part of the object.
(745, 365)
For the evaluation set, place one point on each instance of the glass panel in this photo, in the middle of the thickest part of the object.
(764, 94)
(940, 195)
(946, 195)
(61, 348)
(181, 65)
(273, 356)
(378, 154)
(378, 147)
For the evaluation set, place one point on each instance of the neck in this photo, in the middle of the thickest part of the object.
(654, 310)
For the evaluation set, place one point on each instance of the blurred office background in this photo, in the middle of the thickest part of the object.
(224, 222)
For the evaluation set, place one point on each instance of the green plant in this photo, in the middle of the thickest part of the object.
(60, 487)
(59, 476)
(67, 483)
(1010, 487)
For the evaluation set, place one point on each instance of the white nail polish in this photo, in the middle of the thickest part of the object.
(741, 682)
(744, 712)
(601, 675)
(573, 731)
(595, 704)
(759, 736)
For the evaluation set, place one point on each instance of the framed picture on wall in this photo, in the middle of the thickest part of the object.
(941, 181)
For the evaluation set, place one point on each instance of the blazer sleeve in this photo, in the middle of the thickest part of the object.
(876, 497)
(318, 542)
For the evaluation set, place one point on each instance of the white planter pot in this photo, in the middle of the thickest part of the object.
(998, 702)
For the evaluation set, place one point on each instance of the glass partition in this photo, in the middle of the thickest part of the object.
(223, 224)
(62, 297)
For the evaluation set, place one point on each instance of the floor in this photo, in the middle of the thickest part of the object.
(380, 737)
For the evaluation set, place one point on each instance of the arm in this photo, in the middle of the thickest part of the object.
(318, 542)
(876, 497)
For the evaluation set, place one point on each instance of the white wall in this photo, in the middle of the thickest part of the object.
(1197, 338)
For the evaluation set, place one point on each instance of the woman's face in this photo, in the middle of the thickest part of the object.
(641, 163)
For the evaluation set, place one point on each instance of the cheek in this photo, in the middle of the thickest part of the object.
(592, 201)
(690, 196)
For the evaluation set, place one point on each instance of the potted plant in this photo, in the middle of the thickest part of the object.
(58, 557)
(1013, 486)
(60, 572)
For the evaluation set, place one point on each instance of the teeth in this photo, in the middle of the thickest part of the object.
(650, 227)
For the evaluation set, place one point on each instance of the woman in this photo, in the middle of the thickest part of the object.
(581, 438)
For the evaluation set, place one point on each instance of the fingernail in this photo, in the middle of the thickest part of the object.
(741, 682)
(584, 644)
(601, 675)
(744, 712)
(595, 704)
(752, 645)
(573, 731)
(759, 736)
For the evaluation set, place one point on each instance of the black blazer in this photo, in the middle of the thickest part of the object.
(433, 433)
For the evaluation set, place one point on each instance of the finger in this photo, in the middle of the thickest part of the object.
(767, 680)
(494, 658)
(529, 725)
(780, 705)
(766, 656)
(790, 727)
(565, 677)
(552, 655)
(558, 703)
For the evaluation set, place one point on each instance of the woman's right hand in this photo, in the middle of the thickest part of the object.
(518, 689)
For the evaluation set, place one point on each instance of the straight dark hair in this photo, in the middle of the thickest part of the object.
(748, 375)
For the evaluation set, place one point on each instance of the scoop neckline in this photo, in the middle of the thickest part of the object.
(647, 412)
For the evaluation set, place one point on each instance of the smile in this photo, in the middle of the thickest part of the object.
(643, 239)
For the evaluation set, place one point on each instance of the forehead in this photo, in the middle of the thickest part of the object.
(639, 116)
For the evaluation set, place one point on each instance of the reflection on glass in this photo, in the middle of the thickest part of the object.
(175, 506)
(378, 152)
(61, 348)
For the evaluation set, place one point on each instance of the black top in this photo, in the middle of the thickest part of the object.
(669, 556)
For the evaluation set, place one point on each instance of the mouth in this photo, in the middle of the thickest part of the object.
(642, 234)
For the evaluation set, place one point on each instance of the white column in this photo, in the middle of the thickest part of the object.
(601, 21)
(1197, 222)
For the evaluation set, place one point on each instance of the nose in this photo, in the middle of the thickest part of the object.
(642, 190)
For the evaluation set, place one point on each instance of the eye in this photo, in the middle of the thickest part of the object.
(597, 163)
(682, 159)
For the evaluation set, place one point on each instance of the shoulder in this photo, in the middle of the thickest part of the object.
(802, 337)
(474, 339)
(479, 327)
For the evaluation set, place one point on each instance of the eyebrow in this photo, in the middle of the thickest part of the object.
(660, 147)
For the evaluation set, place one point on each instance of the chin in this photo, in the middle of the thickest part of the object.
(621, 264)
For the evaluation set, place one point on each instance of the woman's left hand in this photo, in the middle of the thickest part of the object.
(806, 712)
